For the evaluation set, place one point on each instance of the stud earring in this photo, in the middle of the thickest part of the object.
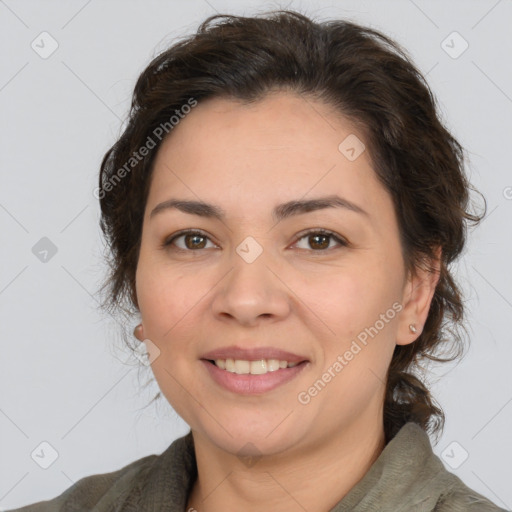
(412, 328)
(137, 332)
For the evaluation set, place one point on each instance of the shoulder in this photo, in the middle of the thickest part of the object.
(408, 475)
(89, 491)
(450, 493)
(458, 497)
(155, 479)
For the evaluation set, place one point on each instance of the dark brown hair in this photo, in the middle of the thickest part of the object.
(365, 77)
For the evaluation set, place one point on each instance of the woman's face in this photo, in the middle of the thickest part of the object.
(253, 282)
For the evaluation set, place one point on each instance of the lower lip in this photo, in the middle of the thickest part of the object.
(248, 384)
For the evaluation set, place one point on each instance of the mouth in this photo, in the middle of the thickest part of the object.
(252, 371)
(253, 361)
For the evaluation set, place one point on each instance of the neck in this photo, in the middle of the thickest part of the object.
(332, 467)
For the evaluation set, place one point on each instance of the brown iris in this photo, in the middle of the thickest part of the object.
(194, 237)
(316, 245)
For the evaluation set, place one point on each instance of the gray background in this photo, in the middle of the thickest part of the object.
(65, 378)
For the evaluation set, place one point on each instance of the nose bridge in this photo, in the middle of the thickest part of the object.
(251, 289)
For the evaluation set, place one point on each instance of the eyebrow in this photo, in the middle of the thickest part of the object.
(279, 213)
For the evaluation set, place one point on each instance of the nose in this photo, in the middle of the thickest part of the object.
(250, 293)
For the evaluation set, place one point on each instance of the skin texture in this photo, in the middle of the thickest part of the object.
(295, 296)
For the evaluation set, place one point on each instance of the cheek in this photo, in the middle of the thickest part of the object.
(359, 309)
(350, 299)
(166, 302)
(167, 297)
(359, 303)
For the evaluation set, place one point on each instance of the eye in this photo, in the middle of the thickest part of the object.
(320, 239)
(193, 240)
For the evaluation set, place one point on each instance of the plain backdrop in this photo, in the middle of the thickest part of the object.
(65, 379)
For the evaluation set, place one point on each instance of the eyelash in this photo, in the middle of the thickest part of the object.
(318, 231)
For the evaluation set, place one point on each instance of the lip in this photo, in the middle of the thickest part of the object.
(253, 354)
(248, 384)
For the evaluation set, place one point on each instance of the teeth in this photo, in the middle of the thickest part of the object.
(242, 367)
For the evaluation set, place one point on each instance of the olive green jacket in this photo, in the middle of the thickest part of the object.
(407, 476)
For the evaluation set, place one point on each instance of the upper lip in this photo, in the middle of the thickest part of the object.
(253, 354)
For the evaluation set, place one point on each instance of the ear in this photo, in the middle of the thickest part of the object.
(417, 295)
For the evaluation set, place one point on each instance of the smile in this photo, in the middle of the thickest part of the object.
(260, 367)
(240, 379)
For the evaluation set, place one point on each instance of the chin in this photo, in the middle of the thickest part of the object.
(252, 437)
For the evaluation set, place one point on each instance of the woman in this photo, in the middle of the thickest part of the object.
(282, 210)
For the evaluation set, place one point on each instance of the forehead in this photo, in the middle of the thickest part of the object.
(279, 121)
(284, 146)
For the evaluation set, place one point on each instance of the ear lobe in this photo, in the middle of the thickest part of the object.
(417, 297)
